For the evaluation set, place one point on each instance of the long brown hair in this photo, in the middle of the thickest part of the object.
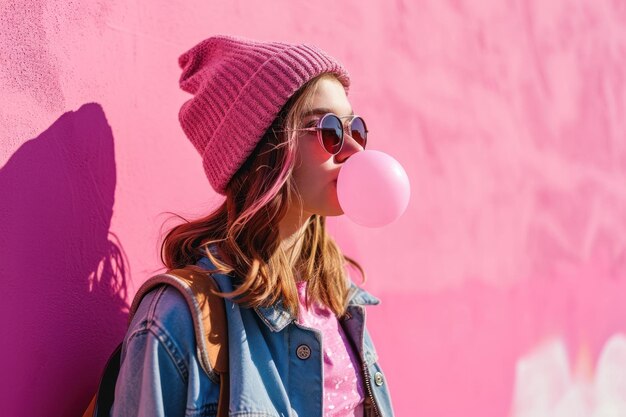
(244, 228)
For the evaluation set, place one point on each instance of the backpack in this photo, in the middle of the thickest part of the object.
(209, 319)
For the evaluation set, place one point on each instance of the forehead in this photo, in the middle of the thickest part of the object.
(330, 97)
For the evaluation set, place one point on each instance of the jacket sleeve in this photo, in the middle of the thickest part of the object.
(149, 383)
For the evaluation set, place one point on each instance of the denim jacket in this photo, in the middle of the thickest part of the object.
(271, 374)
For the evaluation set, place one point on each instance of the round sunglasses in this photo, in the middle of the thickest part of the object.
(330, 131)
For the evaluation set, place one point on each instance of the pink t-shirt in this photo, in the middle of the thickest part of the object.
(343, 385)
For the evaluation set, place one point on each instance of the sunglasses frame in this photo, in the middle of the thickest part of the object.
(318, 128)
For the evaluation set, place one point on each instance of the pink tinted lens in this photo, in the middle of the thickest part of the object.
(332, 133)
(359, 131)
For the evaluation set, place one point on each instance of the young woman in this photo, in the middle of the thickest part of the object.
(273, 125)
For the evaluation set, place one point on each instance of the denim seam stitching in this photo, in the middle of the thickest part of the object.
(153, 305)
(172, 349)
(158, 338)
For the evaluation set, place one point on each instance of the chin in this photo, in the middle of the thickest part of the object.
(329, 210)
(335, 210)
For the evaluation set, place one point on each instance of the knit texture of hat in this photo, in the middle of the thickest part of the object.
(239, 86)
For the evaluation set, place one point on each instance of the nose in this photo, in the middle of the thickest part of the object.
(350, 147)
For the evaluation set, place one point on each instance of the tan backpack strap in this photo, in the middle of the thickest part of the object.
(208, 313)
(213, 313)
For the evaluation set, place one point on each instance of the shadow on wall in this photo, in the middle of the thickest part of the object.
(63, 298)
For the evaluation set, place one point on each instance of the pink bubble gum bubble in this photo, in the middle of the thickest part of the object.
(373, 188)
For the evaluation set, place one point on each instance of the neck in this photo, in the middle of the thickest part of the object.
(291, 230)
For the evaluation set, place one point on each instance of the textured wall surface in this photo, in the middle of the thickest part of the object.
(503, 286)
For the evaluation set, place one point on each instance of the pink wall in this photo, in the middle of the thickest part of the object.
(503, 285)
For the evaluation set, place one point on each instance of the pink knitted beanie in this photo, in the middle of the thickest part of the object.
(239, 86)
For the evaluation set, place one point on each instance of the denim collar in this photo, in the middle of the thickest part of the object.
(277, 317)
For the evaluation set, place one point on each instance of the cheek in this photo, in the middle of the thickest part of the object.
(310, 185)
(306, 181)
(311, 160)
(311, 171)
(310, 149)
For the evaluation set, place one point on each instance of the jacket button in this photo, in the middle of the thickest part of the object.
(303, 352)
(378, 378)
